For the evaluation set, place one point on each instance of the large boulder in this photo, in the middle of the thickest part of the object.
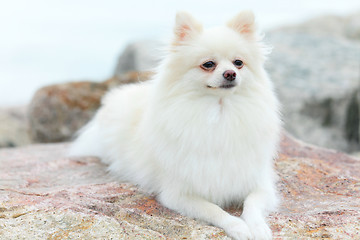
(56, 112)
(46, 195)
(318, 82)
(315, 66)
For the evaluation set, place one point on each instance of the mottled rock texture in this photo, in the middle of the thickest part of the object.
(56, 112)
(46, 195)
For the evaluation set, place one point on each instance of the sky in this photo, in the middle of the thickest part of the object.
(45, 42)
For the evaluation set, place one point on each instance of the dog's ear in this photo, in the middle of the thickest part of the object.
(186, 27)
(243, 23)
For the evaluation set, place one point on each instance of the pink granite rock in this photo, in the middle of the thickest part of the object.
(45, 195)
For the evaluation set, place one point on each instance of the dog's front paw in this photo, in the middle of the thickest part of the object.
(238, 229)
(260, 231)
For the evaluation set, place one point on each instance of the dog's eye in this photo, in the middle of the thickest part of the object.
(238, 63)
(208, 65)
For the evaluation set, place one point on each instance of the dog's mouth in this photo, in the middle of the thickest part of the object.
(224, 86)
(228, 85)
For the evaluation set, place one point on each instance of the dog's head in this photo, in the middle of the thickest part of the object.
(218, 60)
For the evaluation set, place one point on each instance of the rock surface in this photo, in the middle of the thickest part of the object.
(56, 112)
(45, 195)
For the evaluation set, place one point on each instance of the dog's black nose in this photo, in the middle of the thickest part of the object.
(229, 75)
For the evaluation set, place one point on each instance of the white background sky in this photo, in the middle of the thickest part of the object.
(51, 41)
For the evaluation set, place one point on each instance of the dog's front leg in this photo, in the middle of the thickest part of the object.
(201, 209)
(256, 205)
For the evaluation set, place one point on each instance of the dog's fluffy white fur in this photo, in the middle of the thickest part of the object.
(199, 146)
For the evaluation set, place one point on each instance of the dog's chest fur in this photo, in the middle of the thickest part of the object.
(216, 148)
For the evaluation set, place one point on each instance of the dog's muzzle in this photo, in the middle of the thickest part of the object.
(229, 76)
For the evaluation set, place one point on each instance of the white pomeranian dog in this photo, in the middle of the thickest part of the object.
(203, 133)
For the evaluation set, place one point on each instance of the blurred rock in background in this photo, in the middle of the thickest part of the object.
(315, 67)
(13, 127)
(318, 81)
(56, 112)
(143, 55)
